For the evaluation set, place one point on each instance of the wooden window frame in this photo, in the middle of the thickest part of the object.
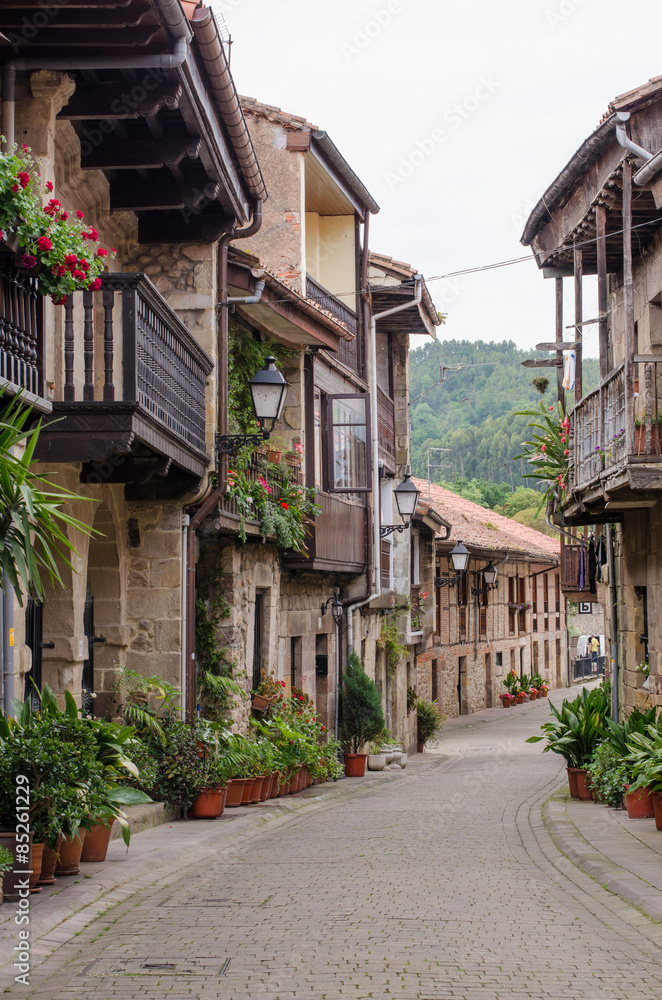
(328, 410)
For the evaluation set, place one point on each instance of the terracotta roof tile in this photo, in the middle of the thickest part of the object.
(482, 528)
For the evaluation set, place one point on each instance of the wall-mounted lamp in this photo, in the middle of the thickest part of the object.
(337, 609)
(490, 579)
(268, 391)
(406, 497)
(460, 559)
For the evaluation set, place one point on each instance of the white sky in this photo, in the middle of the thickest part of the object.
(514, 86)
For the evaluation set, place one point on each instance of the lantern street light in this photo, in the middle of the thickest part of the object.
(337, 609)
(268, 390)
(406, 497)
(490, 576)
(460, 559)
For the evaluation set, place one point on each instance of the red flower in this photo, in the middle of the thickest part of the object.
(78, 275)
(566, 452)
(24, 178)
(49, 186)
(71, 260)
(53, 207)
(285, 505)
(92, 234)
(95, 285)
(64, 217)
(59, 270)
(59, 300)
(113, 250)
(44, 244)
(14, 188)
(80, 215)
(101, 252)
(2, 235)
(28, 260)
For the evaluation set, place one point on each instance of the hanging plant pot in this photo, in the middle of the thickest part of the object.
(71, 849)
(260, 702)
(95, 846)
(355, 765)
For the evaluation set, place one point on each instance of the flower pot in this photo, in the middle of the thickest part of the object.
(533, 695)
(35, 865)
(71, 849)
(420, 746)
(521, 697)
(275, 783)
(248, 792)
(542, 693)
(355, 765)
(49, 863)
(209, 803)
(235, 791)
(639, 803)
(657, 809)
(96, 842)
(256, 793)
(572, 782)
(10, 878)
(275, 455)
(583, 790)
(404, 759)
(266, 787)
(377, 761)
(506, 702)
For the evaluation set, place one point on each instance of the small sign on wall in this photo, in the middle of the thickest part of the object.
(585, 608)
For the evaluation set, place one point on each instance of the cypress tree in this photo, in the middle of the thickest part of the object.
(362, 718)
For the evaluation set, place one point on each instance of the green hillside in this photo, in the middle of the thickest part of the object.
(470, 412)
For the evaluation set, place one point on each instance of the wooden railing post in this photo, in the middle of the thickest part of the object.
(560, 391)
(108, 299)
(88, 346)
(69, 387)
(129, 343)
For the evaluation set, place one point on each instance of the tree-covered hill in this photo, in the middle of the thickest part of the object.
(470, 412)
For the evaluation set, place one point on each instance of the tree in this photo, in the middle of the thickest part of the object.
(362, 718)
(32, 523)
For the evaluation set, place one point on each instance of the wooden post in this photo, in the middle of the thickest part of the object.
(601, 234)
(69, 387)
(88, 346)
(628, 303)
(560, 391)
(578, 261)
(108, 299)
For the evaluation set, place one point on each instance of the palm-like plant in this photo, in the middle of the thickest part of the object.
(33, 525)
(577, 727)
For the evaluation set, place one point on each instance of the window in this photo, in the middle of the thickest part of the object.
(511, 600)
(435, 680)
(499, 659)
(557, 600)
(317, 433)
(462, 601)
(545, 594)
(534, 602)
(258, 637)
(295, 661)
(521, 599)
(349, 444)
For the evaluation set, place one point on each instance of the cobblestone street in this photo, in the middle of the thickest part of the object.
(442, 885)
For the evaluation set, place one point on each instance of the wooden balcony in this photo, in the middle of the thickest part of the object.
(571, 553)
(21, 335)
(386, 426)
(348, 353)
(617, 458)
(337, 542)
(132, 399)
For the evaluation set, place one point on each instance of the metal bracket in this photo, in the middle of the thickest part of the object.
(445, 581)
(231, 444)
(388, 529)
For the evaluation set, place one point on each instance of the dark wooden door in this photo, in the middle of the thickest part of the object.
(34, 640)
(87, 686)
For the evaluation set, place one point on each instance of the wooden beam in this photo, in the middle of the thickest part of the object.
(143, 154)
(564, 345)
(160, 195)
(72, 17)
(118, 101)
(73, 38)
(628, 303)
(578, 269)
(186, 226)
(543, 363)
(601, 233)
(560, 391)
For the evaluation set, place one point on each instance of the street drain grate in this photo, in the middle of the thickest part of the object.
(178, 967)
(158, 965)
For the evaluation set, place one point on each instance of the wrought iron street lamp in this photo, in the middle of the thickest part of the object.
(337, 609)
(460, 559)
(406, 497)
(490, 576)
(268, 390)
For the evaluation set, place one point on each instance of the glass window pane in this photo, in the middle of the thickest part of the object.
(349, 442)
(317, 424)
(349, 411)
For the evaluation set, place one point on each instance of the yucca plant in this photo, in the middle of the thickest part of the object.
(33, 525)
(644, 759)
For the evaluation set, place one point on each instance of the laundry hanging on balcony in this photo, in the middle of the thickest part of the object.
(569, 370)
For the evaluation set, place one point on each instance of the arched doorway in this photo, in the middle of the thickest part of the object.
(103, 617)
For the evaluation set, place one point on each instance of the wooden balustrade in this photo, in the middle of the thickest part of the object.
(386, 423)
(21, 329)
(348, 353)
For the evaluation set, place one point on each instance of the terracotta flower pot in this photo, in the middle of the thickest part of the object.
(355, 765)
(275, 455)
(259, 702)
(35, 865)
(49, 864)
(542, 693)
(248, 792)
(273, 791)
(10, 888)
(533, 695)
(657, 809)
(506, 702)
(256, 793)
(71, 849)
(639, 803)
(266, 787)
(209, 803)
(583, 790)
(521, 697)
(95, 847)
(235, 791)
(572, 782)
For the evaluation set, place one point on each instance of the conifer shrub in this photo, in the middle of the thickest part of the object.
(362, 717)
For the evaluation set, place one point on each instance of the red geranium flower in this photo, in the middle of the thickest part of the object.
(28, 260)
(101, 252)
(64, 216)
(95, 285)
(59, 300)
(14, 188)
(44, 244)
(285, 505)
(49, 186)
(24, 178)
(80, 215)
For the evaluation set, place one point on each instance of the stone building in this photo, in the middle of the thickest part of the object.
(601, 217)
(477, 634)
(151, 145)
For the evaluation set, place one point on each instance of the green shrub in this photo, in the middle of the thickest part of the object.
(430, 721)
(607, 773)
(362, 718)
(578, 726)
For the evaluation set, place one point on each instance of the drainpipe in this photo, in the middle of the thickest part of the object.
(177, 25)
(7, 649)
(613, 627)
(248, 300)
(198, 517)
(625, 141)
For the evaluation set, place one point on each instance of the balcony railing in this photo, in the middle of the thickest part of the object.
(133, 385)
(386, 423)
(21, 329)
(348, 350)
(256, 469)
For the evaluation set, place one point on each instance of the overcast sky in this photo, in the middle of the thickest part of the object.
(456, 116)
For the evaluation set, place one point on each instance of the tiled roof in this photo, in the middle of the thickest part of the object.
(404, 272)
(274, 114)
(482, 528)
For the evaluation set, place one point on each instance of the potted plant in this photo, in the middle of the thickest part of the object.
(376, 758)
(430, 721)
(575, 731)
(644, 760)
(507, 699)
(6, 865)
(362, 718)
(607, 775)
